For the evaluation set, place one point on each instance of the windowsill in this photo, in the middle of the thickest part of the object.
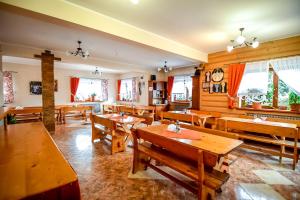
(269, 110)
(88, 101)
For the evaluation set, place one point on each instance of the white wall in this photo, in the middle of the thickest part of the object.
(25, 73)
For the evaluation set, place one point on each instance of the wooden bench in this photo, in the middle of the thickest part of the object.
(27, 114)
(74, 111)
(266, 133)
(180, 157)
(104, 127)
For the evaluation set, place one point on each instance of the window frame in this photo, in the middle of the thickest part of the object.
(101, 89)
(275, 100)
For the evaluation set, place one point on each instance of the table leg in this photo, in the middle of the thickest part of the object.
(5, 123)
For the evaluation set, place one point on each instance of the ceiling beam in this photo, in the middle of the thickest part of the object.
(74, 13)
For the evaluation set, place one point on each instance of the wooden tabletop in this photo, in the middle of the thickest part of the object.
(144, 107)
(188, 112)
(217, 145)
(30, 162)
(117, 118)
(262, 122)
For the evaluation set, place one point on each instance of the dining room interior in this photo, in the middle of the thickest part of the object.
(140, 99)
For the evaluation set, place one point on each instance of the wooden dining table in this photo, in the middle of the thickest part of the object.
(140, 110)
(217, 147)
(201, 117)
(126, 123)
(32, 166)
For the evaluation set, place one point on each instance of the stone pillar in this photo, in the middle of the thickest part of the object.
(1, 79)
(48, 89)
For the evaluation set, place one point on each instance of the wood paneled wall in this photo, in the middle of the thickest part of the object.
(269, 50)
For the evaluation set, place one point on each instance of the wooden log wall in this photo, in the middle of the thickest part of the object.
(269, 50)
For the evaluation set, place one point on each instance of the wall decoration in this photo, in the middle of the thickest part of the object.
(207, 76)
(224, 87)
(217, 88)
(55, 86)
(211, 88)
(205, 85)
(35, 87)
(217, 75)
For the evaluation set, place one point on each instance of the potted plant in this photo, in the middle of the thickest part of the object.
(93, 96)
(294, 101)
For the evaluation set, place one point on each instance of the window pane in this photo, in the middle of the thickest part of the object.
(126, 90)
(283, 94)
(89, 87)
(182, 88)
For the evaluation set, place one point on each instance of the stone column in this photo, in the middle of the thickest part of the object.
(48, 89)
(1, 79)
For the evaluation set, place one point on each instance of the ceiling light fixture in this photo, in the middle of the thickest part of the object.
(79, 52)
(134, 1)
(165, 68)
(97, 72)
(241, 41)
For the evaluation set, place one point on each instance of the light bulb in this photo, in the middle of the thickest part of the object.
(170, 68)
(229, 48)
(134, 1)
(240, 39)
(158, 69)
(255, 43)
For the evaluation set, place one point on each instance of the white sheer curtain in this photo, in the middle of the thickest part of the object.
(288, 70)
(255, 79)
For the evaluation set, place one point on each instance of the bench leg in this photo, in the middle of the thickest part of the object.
(117, 144)
(209, 194)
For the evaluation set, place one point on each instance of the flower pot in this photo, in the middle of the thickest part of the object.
(293, 107)
(93, 98)
(256, 105)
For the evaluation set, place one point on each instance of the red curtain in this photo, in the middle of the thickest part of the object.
(74, 86)
(119, 90)
(235, 74)
(170, 86)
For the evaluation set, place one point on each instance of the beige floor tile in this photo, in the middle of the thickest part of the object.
(273, 177)
(241, 193)
(261, 192)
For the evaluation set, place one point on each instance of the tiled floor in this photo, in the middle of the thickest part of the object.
(102, 176)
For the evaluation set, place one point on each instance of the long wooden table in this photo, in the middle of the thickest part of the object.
(201, 117)
(32, 167)
(217, 146)
(125, 122)
(274, 129)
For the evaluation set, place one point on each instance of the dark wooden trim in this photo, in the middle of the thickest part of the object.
(275, 91)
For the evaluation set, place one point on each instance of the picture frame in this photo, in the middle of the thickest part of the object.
(35, 87)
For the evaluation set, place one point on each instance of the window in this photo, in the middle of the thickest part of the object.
(265, 86)
(91, 90)
(126, 90)
(182, 88)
